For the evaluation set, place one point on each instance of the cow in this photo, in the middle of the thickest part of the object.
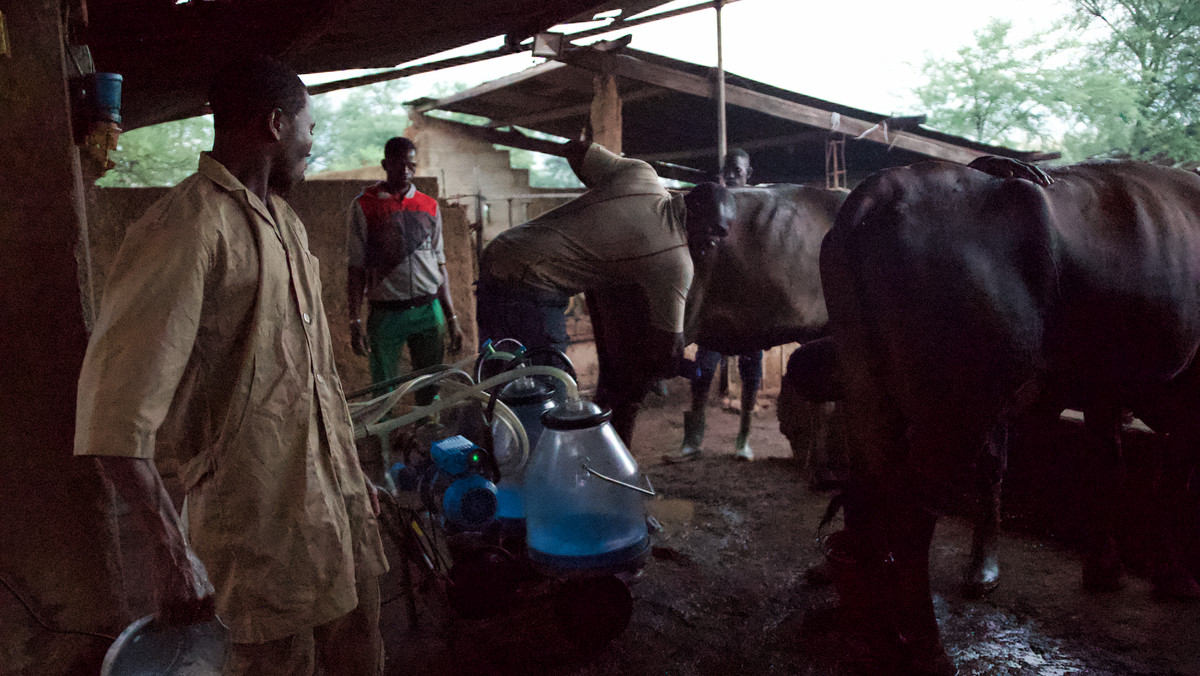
(755, 283)
(814, 423)
(645, 260)
(958, 300)
(760, 286)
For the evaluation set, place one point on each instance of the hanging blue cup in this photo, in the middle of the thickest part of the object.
(102, 91)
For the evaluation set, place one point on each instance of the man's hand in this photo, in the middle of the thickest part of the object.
(1004, 167)
(358, 339)
(185, 595)
(454, 334)
(182, 591)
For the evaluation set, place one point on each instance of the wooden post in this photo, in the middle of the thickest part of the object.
(58, 545)
(606, 112)
(721, 131)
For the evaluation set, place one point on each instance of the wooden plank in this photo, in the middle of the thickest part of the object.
(755, 144)
(510, 138)
(488, 87)
(606, 112)
(687, 83)
(579, 110)
(521, 76)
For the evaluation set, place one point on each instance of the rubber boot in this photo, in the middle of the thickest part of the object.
(693, 437)
(742, 445)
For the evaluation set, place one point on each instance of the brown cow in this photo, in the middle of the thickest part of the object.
(957, 298)
(761, 286)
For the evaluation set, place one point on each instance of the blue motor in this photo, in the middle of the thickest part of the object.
(469, 501)
(452, 483)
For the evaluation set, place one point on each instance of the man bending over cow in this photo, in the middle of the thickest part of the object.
(625, 242)
(736, 174)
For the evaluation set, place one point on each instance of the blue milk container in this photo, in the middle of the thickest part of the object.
(584, 508)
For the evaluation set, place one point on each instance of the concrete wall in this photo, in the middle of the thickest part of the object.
(322, 206)
(468, 167)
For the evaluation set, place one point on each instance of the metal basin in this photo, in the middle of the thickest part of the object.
(149, 648)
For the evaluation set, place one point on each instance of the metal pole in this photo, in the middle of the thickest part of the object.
(720, 94)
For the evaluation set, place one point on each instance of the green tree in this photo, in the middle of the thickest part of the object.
(1154, 45)
(545, 171)
(993, 91)
(162, 154)
(353, 125)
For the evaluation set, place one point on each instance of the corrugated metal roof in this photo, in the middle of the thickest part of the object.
(168, 51)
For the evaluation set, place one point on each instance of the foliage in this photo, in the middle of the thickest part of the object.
(352, 127)
(545, 171)
(1153, 43)
(993, 91)
(163, 154)
(1120, 78)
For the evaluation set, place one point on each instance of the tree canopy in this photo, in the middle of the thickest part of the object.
(352, 127)
(1117, 78)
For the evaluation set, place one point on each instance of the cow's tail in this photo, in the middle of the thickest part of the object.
(861, 354)
(851, 326)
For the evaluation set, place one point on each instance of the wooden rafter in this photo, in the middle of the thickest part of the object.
(650, 73)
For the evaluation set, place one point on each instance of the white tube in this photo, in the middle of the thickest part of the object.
(424, 411)
(509, 419)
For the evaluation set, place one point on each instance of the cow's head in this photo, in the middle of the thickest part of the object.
(710, 212)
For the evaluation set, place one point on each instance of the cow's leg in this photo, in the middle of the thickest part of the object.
(1175, 566)
(1102, 563)
(1175, 513)
(887, 511)
(982, 575)
(899, 531)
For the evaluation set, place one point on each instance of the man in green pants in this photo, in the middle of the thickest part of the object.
(397, 261)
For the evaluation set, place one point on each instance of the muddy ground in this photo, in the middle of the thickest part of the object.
(725, 592)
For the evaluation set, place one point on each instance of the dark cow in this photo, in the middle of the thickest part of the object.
(815, 425)
(958, 298)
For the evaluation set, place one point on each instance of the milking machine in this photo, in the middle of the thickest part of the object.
(543, 491)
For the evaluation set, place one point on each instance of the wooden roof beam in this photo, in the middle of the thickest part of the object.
(751, 145)
(426, 105)
(663, 76)
(515, 139)
(582, 109)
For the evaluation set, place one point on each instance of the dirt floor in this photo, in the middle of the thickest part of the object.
(725, 590)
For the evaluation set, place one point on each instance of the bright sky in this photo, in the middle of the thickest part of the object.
(866, 54)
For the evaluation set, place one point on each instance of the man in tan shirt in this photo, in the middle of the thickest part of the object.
(629, 244)
(212, 317)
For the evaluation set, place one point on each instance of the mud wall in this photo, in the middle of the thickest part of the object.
(323, 207)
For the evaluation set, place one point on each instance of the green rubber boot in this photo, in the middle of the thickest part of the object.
(693, 437)
(742, 445)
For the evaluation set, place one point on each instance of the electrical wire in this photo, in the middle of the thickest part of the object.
(47, 627)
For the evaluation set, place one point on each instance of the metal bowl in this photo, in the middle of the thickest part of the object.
(150, 648)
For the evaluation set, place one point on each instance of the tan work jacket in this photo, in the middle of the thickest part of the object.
(625, 230)
(212, 312)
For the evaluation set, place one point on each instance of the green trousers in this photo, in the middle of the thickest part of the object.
(422, 328)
